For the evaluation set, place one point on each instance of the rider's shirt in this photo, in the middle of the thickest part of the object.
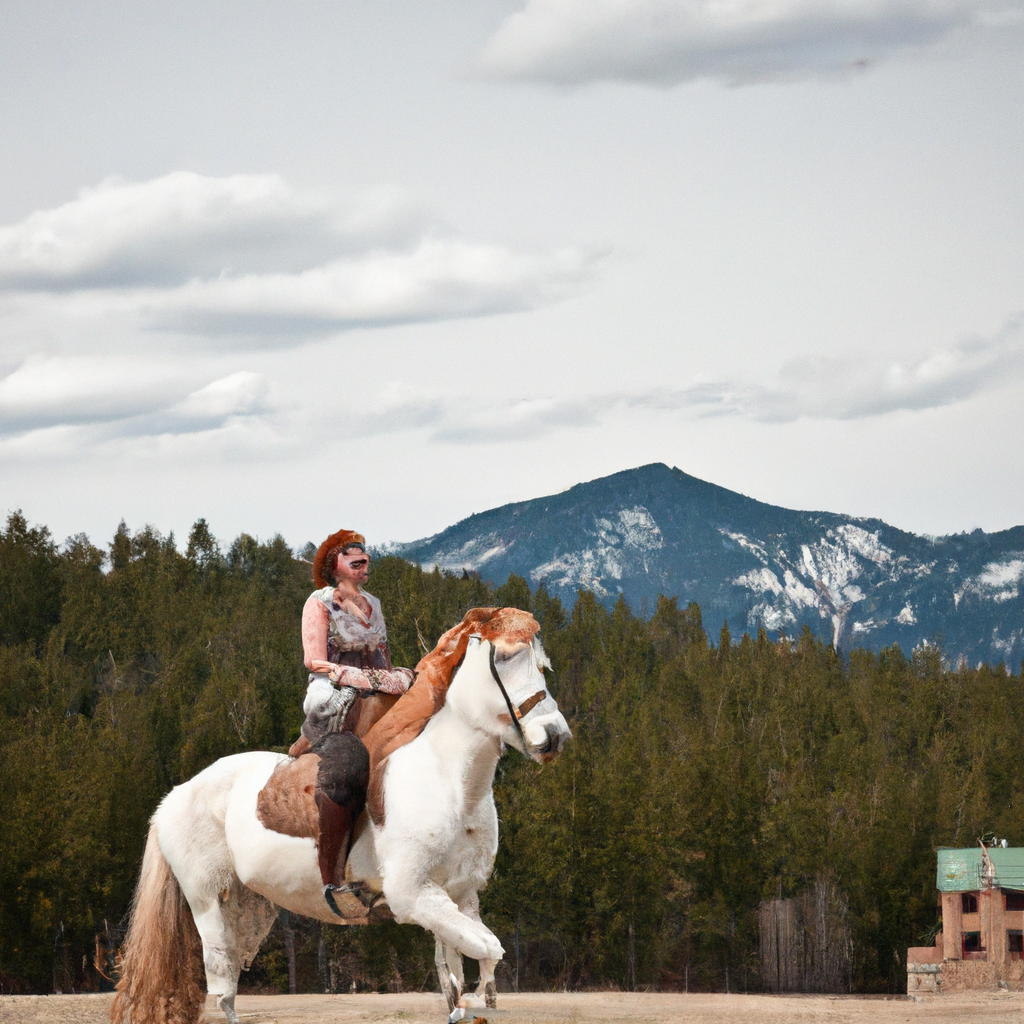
(357, 641)
(353, 638)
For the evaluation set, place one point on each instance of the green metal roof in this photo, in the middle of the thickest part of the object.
(962, 870)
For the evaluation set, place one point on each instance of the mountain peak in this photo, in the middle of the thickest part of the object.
(656, 530)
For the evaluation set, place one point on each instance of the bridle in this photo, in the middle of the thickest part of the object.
(516, 711)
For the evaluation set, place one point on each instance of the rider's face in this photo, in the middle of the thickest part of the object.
(353, 566)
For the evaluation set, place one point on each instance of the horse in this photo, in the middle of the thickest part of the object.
(233, 844)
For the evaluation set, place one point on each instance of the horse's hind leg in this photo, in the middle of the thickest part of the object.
(232, 925)
(222, 956)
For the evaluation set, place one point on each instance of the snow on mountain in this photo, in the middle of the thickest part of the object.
(657, 531)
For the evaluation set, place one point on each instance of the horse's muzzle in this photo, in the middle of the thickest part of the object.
(547, 739)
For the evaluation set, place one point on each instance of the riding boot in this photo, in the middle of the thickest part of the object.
(335, 833)
(342, 777)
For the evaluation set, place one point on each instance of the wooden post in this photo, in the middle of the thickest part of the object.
(952, 926)
(998, 953)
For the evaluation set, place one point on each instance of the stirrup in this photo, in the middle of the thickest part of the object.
(330, 890)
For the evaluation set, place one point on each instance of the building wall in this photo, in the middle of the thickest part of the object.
(944, 968)
(962, 975)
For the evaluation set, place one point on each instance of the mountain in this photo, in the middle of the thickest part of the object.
(656, 530)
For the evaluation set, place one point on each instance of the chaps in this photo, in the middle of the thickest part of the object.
(341, 781)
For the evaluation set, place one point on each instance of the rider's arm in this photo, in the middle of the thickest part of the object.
(314, 635)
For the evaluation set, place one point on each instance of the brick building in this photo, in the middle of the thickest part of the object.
(981, 944)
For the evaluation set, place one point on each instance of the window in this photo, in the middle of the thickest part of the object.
(969, 902)
(1015, 901)
(973, 949)
(1015, 943)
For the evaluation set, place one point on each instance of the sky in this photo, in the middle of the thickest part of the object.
(381, 265)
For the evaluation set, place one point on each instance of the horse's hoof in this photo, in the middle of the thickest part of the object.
(227, 1005)
(462, 1013)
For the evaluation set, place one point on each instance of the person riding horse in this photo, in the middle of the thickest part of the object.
(345, 648)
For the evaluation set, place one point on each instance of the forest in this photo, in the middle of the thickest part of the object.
(709, 773)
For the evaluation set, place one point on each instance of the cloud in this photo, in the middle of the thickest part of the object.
(247, 254)
(821, 388)
(523, 420)
(239, 394)
(853, 388)
(438, 280)
(46, 391)
(182, 225)
(105, 397)
(740, 41)
(71, 404)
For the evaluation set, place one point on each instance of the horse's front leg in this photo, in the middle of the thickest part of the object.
(487, 987)
(461, 1005)
(486, 991)
(414, 899)
(449, 972)
(452, 984)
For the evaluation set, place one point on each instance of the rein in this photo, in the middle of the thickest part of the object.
(515, 712)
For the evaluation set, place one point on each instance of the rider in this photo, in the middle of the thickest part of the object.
(345, 645)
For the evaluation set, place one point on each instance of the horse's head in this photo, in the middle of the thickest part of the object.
(527, 714)
(490, 669)
(500, 661)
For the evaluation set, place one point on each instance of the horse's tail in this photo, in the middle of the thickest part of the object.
(162, 957)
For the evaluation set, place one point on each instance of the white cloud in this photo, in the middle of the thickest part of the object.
(840, 389)
(439, 279)
(247, 254)
(741, 41)
(167, 229)
(857, 387)
(95, 400)
(90, 398)
(47, 391)
(239, 394)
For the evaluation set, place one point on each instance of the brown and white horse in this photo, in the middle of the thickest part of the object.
(219, 864)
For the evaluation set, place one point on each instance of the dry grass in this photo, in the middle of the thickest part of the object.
(563, 1008)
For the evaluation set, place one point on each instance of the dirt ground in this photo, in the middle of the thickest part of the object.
(561, 1008)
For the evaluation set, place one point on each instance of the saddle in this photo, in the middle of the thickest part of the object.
(320, 795)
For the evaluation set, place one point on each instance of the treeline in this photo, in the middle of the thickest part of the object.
(704, 778)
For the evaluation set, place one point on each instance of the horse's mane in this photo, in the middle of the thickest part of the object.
(506, 628)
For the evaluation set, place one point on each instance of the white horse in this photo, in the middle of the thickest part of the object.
(426, 842)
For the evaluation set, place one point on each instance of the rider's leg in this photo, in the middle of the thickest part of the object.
(342, 777)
